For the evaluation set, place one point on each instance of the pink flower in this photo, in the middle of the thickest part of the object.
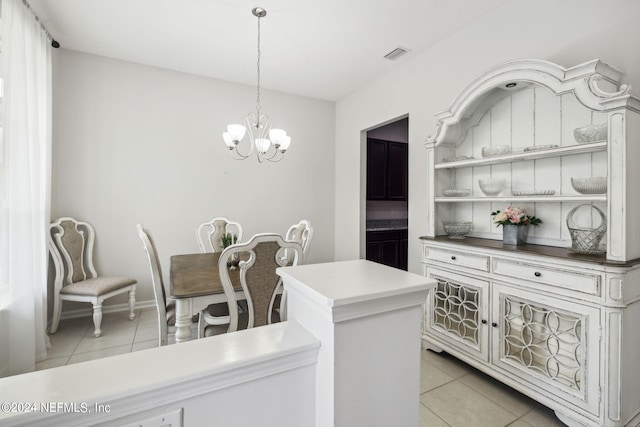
(515, 216)
(500, 217)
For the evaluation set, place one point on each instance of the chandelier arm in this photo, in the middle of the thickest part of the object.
(239, 156)
(273, 154)
(276, 156)
(257, 127)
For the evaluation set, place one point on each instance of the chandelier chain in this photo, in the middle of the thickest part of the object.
(258, 79)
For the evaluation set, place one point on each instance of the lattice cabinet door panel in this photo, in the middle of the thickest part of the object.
(553, 343)
(458, 311)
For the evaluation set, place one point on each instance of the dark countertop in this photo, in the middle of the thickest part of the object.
(387, 224)
(550, 251)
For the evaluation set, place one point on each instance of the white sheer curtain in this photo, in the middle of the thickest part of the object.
(25, 185)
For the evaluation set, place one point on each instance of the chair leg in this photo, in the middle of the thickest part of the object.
(242, 306)
(201, 324)
(283, 306)
(97, 318)
(57, 310)
(132, 303)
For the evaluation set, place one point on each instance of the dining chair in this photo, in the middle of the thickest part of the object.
(209, 236)
(301, 233)
(76, 279)
(166, 311)
(259, 281)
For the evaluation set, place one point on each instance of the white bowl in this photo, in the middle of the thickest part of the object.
(495, 150)
(492, 187)
(590, 133)
(456, 229)
(595, 185)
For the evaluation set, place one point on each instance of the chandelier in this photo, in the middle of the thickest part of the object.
(269, 144)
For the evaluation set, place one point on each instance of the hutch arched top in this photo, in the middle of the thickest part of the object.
(533, 107)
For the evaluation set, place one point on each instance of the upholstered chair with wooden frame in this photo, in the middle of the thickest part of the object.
(258, 278)
(71, 246)
(302, 233)
(166, 311)
(209, 236)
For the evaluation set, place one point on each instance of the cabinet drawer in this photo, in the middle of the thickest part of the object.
(457, 258)
(577, 281)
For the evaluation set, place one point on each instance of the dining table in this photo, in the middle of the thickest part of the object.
(195, 283)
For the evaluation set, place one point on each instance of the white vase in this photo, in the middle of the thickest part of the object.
(514, 234)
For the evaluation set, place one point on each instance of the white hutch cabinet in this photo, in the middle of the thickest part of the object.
(559, 326)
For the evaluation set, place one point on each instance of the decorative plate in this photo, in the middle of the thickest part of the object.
(496, 150)
(457, 159)
(539, 147)
(456, 192)
(533, 192)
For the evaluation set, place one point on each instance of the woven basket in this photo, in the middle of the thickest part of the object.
(586, 240)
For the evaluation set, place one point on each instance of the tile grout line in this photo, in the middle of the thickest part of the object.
(434, 413)
(491, 396)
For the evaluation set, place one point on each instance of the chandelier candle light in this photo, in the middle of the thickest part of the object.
(269, 144)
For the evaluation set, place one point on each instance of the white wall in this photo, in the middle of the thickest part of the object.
(136, 144)
(567, 32)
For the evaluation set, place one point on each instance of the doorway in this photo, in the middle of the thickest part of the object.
(387, 195)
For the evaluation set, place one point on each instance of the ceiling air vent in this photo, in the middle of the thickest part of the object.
(396, 53)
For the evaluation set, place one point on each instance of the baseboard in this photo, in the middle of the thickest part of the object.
(113, 308)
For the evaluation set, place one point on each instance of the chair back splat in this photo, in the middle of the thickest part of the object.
(259, 259)
(209, 234)
(302, 233)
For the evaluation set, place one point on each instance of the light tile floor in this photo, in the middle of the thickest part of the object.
(74, 341)
(458, 395)
(452, 393)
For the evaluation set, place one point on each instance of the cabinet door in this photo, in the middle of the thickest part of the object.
(404, 253)
(384, 247)
(552, 343)
(376, 169)
(397, 170)
(457, 312)
(383, 252)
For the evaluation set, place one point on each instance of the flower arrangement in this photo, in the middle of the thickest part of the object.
(514, 216)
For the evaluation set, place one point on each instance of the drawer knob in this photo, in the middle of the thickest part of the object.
(494, 324)
(537, 274)
(484, 321)
(453, 257)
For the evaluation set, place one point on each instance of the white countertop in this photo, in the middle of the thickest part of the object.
(347, 282)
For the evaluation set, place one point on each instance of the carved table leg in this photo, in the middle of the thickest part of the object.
(183, 320)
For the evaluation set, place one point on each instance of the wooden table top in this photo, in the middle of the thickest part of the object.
(194, 275)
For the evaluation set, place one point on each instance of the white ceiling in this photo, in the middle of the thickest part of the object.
(323, 49)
